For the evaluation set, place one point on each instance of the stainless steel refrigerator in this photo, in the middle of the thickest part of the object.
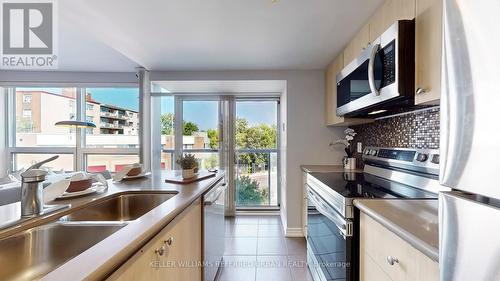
(470, 141)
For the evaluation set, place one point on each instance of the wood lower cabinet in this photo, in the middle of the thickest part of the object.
(428, 49)
(173, 254)
(378, 245)
(370, 270)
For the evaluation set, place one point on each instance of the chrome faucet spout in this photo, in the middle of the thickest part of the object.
(32, 189)
(39, 164)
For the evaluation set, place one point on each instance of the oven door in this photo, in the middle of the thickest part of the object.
(329, 241)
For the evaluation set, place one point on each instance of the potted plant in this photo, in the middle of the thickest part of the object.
(189, 165)
(349, 161)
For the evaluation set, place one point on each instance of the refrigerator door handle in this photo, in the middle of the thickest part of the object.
(457, 103)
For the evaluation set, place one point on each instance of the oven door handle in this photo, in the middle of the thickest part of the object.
(371, 70)
(344, 227)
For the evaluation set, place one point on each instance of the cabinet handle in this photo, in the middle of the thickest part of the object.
(420, 91)
(169, 241)
(392, 260)
(160, 251)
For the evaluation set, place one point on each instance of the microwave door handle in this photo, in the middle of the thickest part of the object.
(371, 70)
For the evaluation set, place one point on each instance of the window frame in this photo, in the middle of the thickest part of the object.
(79, 151)
(269, 151)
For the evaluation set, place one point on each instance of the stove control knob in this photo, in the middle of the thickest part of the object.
(422, 157)
(435, 159)
(373, 152)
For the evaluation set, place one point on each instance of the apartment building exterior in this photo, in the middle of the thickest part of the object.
(116, 127)
(109, 119)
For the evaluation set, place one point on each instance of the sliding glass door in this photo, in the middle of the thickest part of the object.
(256, 141)
(198, 124)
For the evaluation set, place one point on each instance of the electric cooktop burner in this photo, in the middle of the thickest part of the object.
(363, 185)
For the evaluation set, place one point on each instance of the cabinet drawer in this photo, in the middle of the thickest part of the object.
(165, 257)
(370, 271)
(380, 244)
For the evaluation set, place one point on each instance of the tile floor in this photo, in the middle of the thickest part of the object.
(257, 250)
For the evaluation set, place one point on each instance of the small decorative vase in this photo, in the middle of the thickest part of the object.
(349, 175)
(188, 173)
(349, 163)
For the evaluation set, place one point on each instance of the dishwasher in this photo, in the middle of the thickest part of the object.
(213, 230)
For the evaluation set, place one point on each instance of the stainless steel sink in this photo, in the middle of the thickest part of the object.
(33, 253)
(121, 207)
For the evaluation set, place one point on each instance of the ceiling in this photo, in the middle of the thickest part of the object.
(244, 87)
(119, 35)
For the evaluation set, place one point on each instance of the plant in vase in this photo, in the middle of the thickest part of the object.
(349, 161)
(189, 165)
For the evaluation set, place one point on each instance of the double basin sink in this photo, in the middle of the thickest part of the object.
(35, 252)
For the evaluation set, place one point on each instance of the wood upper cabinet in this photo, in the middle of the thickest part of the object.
(331, 118)
(333, 68)
(378, 245)
(165, 256)
(428, 48)
(428, 22)
(390, 12)
(357, 45)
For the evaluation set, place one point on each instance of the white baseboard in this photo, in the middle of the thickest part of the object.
(257, 213)
(294, 232)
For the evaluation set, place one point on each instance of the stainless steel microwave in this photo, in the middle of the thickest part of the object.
(382, 77)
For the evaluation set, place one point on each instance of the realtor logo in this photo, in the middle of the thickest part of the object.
(28, 35)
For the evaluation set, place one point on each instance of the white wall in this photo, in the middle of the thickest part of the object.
(306, 138)
(3, 128)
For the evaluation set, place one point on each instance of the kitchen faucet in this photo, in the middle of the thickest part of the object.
(32, 189)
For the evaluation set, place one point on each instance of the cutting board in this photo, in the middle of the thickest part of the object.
(178, 178)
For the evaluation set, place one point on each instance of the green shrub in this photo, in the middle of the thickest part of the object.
(249, 192)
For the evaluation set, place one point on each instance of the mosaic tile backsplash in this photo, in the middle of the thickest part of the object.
(413, 130)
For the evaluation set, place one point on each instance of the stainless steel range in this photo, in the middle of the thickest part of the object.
(332, 220)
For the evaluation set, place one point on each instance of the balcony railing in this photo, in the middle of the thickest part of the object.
(114, 115)
(256, 173)
(209, 158)
(256, 177)
(111, 126)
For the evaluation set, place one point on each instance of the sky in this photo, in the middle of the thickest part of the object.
(203, 113)
(123, 97)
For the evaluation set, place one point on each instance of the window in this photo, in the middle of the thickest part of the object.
(113, 163)
(238, 134)
(65, 162)
(27, 113)
(35, 122)
(167, 129)
(27, 98)
(117, 117)
(114, 111)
